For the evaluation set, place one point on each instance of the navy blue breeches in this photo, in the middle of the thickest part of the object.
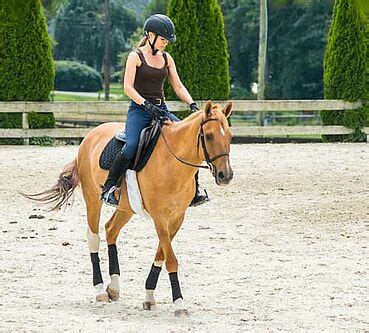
(137, 119)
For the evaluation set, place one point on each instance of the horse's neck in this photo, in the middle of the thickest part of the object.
(182, 139)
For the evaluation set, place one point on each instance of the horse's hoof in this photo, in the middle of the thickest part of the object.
(102, 298)
(150, 306)
(113, 294)
(182, 313)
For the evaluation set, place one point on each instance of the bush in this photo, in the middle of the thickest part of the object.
(73, 76)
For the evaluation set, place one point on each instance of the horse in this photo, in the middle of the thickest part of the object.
(180, 150)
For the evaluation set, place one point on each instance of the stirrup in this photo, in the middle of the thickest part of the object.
(200, 199)
(107, 194)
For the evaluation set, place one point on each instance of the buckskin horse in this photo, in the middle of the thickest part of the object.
(179, 152)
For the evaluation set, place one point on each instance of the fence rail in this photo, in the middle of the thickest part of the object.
(98, 112)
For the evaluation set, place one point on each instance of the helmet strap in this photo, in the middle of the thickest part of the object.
(152, 45)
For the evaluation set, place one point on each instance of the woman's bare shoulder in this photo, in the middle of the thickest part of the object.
(134, 57)
(170, 58)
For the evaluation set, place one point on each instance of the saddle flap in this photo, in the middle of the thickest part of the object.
(148, 139)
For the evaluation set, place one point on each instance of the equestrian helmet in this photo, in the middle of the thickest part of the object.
(161, 25)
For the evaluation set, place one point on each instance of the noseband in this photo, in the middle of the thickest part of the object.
(200, 138)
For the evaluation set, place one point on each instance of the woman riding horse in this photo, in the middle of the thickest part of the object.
(179, 152)
(146, 70)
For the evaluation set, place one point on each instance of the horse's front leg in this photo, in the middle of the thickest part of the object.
(151, 281)
(166, 233)
(112, 228)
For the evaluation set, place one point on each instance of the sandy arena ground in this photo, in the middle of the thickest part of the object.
(284, 247)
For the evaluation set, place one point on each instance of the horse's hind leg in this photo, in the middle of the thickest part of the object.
(112, 228)
(93, 239)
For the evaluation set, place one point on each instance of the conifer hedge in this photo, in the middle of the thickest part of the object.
(345, 66)
(200, 52)
(26, 65)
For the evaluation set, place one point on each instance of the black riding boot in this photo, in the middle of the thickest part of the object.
(199, 198)
(118, 169)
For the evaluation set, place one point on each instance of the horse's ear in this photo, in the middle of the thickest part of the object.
(208, 108)
(227, 109)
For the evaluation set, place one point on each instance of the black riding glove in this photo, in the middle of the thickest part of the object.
(194, 107)
(155, 111)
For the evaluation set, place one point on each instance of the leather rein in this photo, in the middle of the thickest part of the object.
(200, 138)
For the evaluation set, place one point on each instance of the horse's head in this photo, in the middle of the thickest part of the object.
(215, 138)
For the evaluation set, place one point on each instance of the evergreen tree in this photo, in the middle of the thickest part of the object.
(184, 50)
(212, 55)
(200, 51)
(26, 65)
(345, 64)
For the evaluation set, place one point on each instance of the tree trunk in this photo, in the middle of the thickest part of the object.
(263, 39)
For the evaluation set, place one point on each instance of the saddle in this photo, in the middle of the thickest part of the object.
(148, 138)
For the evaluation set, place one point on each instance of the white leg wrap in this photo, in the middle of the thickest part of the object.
(99, 288)
(179, 304)
(93, 241)
(158, 263)
(150, 296)
(114, 284)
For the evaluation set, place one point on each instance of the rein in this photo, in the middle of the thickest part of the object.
(200, 138)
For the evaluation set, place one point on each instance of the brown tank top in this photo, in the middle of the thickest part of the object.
(149, 81)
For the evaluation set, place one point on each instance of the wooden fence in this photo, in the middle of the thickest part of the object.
(99, 112)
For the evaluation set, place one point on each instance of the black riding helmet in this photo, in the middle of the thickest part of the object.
(160, 25)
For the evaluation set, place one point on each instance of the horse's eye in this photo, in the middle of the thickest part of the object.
(209, 136)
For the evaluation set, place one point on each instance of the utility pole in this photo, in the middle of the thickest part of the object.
(263, 41)
(106, 50)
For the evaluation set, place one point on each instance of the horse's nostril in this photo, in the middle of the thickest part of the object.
(221, 175)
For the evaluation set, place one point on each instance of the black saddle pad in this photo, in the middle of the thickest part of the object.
(148, 138)
(111, 150)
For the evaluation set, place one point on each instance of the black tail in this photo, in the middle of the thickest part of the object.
(59, 194)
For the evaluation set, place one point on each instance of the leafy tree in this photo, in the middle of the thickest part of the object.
(156, 7)
(242, 29)
(83, 19)
(52, 6)
(345, 64)
(296, 50)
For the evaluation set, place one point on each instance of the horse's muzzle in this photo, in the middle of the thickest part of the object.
(223, 177)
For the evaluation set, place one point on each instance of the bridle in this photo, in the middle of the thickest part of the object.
(200, 138)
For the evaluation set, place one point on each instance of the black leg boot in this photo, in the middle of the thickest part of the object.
(199, 198)
(118, 169)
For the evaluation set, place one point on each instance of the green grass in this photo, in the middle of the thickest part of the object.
(73, 98)
(115, 88)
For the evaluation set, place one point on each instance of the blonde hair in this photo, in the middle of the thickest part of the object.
(142, 42)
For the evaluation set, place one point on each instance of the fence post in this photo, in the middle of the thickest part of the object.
(25, 125)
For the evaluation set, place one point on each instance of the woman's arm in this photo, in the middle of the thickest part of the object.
(176, 83)
(133, 61)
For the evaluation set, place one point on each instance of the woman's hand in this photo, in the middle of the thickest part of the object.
(155, 111)
(194, 107)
